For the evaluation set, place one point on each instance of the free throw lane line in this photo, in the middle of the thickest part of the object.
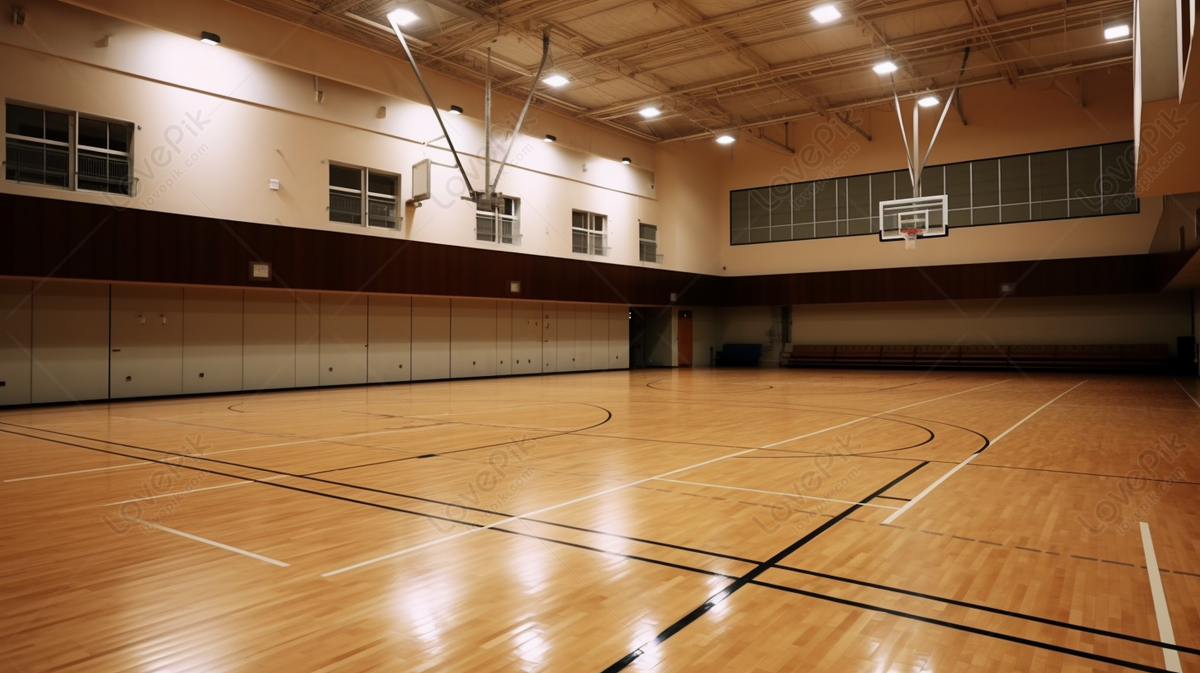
(786, 495)
(66, 474)
(963, 464)
(1165, 632)
(877, 415)
(197, 538)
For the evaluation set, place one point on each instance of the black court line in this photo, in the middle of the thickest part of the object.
(552, 434)
(969, 629)
(449, 505)
(742, 581)
(713, 391)
(391, 508)
(998, 611)
(644, 559)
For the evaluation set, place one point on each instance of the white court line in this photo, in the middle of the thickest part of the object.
(786, 495)
(307, 441)
(1185, 392)
(511, 519)
(881, 413)
(963, 464)
(1165, 632)
(189, 536)
(65, 474)
(194, 490)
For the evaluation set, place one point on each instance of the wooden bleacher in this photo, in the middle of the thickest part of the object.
(1141, 358)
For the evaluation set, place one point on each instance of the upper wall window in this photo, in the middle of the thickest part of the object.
(501, 225)
(648, 243)
(68, 150)
(589, 233)
(361, 195)
(103, 155)
(1077, 182)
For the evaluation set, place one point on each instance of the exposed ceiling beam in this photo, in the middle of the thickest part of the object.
(887, 100)
(983, 15)
(927, 46)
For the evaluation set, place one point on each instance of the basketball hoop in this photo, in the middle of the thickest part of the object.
(910, 238)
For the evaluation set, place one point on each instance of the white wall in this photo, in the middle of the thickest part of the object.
(214, 125)
(56, 344)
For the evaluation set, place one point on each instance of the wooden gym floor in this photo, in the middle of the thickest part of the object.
(766, 520)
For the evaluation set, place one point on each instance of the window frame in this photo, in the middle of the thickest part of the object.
(73, 147)
(653, 256)
(498, 220)
(365, 196)
(1045, 186)
(131, 180)
(590, 233)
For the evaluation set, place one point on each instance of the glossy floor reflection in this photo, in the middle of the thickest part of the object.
(700, 520)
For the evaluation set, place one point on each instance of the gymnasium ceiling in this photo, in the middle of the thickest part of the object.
(716, 65)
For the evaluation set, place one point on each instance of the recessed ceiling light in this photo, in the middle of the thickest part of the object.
(455, 110)
(210, 38)
(556, 80)
(626, 160)
(725, 139)
(885, 67)
(650, 112)
(1116, 32)
(401, 17)
(928, 101)
(826, 13)
(549, 138)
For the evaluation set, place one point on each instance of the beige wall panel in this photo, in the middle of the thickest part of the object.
(308, 339)
(1120, 319)
(343, 339)
(504, 337)
(430, 338)
(70, 325)
(212, 340)
(472, 338)
(566, 348)
(618, 337)
(70, 342)
(16, 340)
(583, 337)
(389, 339)
(549, 338)
(599, 334)
(147, 341)
(527, 335)
(269, 349)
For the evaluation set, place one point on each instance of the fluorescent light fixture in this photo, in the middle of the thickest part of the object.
(885, 68)
(455, 110)
(650, 112)
(210, 38)
(626, 160)
(1116, 32)
(401, 17)
(555, 80)
(725, 139)
(826, 14)
(549, 138)
(928, 101)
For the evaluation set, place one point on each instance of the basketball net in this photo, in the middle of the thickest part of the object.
(910, 238)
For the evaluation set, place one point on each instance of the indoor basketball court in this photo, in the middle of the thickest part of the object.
(607, 335)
